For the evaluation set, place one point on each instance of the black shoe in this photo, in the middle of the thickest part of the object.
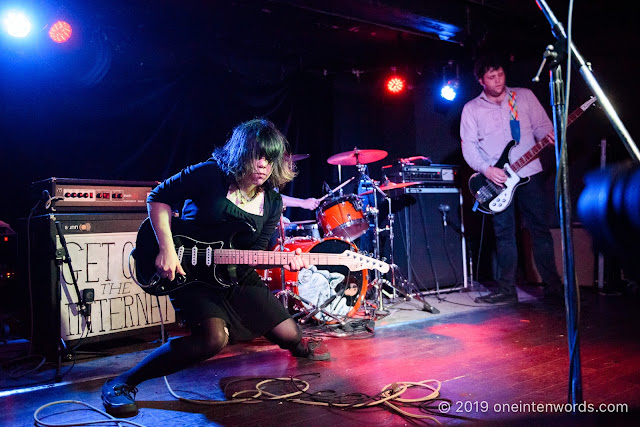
(499, 296)
(119, 399)
(313, 349)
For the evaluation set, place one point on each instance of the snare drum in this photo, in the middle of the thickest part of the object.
(352, 289)
(342, 217)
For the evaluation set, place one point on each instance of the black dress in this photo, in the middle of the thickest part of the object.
(249, 309)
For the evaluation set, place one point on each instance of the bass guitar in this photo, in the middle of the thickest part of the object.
(493, 198)
(211, 258)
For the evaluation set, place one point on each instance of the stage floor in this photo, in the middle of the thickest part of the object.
(493, 363)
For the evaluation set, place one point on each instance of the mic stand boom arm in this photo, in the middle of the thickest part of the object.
(587, 75)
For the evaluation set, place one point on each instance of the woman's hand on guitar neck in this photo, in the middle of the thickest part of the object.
(496, 175)
(297, 263)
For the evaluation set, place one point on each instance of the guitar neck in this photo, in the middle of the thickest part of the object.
(271, 258)
(535, 150)
(531, 154)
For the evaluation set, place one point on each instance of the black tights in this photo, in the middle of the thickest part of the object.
(206, 340)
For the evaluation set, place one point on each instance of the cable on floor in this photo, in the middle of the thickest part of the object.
(389, 396)
(108, 418)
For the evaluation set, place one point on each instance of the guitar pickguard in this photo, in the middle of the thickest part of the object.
(503, 200)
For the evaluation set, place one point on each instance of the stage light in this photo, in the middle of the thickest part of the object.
(60, 32)
(16, 24)
(395, 84)
(449, 90)
(450, 81)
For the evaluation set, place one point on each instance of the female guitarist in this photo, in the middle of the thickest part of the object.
(235, 186)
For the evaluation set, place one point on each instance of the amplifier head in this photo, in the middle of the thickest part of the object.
(93, 195)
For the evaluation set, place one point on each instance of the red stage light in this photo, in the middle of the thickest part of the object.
(395, 84)
(60, 32)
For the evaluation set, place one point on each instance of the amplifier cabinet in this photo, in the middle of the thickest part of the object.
(99, 246)
(430, 252)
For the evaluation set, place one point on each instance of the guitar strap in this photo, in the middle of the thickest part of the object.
(514, 122)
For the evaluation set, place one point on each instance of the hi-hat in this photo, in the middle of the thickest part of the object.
(296, 157)
(357, 157)
(391, 186)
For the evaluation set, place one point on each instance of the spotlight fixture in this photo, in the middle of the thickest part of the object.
(17, 24)
(449, 90)
(60, 32)
(450, 81)
(395, 83)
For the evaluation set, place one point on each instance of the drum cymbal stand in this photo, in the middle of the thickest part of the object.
(394, 270)
(315, 309)
(380, 282)
(286, 293)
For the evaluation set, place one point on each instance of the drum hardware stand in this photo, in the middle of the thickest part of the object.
(320, 308)
(331, 192)
(379, 282)
(285, 293)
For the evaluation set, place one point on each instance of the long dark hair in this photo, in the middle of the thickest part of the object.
(251, 141)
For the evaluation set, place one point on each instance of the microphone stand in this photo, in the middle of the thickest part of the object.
(459, 228)
(557, 90)
(585, 69)
(563, 47)
(379, 280)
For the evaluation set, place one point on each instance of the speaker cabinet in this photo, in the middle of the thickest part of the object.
(429, 245)
(585, 265)
(99, 246)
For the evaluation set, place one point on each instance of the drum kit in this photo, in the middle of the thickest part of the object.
(332, 294)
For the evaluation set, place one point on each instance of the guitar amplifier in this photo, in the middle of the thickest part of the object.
(429, 176)
(95, 195)
(99, 245)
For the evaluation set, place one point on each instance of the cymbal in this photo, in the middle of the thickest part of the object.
(296, 157)
(391, 186)
(357, 157)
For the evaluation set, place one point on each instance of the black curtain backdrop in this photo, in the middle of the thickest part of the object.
(139, 94)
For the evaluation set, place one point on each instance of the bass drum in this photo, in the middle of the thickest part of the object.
(349, 292)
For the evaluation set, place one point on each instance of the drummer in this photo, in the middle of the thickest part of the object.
(310, 203)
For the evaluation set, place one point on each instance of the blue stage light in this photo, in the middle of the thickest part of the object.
(16, 23)
(449, 90)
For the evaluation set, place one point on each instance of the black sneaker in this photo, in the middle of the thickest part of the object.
(498, 297)
(119, 399)
(313, 349)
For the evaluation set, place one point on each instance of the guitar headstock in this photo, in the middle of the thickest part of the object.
(356, 262)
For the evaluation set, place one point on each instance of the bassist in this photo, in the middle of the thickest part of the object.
(488, 123)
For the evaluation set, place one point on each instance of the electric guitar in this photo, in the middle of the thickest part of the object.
(494, 198)
(213, 261)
